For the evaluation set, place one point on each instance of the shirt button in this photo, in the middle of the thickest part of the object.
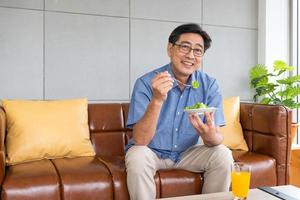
(181, 96)
(176, 129)
(178, 113)
(175, 146)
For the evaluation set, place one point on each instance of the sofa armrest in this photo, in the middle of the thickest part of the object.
(267, 130)
(2, 147)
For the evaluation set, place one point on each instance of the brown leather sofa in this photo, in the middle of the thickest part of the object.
(266, 130)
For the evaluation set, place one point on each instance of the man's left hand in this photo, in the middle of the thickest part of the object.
(208, 131)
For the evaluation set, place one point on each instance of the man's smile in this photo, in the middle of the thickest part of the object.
(187, 63)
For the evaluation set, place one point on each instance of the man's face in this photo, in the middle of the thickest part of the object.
(184, 62)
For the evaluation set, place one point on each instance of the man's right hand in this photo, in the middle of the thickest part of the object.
(162, 83)
(144, 129)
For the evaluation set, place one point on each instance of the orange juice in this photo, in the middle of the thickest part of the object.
(240, 183)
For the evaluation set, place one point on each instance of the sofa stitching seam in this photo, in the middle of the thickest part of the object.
(61, 188)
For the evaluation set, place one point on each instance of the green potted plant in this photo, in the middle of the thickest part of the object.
(275, 85)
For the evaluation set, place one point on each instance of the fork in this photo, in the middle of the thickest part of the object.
(178, 81)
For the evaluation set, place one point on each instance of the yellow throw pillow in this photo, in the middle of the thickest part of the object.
(232, 132)
(46, 129)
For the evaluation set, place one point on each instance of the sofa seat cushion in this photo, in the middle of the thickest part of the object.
(84, 178)
(116, 166)
(167, 181)
(32, 180)
(261, 166)
(176, 182)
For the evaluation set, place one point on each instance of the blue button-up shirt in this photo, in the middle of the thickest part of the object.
(174, 132)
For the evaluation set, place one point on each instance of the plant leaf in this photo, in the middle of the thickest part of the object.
(262, 90)
(258, 71)
(280, 65)
(290, 92)
(290, 103)
(277, 101)
(259, 81)
(265, 100)
(273, 87)
(289, 80)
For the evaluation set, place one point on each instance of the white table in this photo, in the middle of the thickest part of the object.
(254, 194)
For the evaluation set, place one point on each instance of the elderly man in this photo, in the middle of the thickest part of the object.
(164, 136)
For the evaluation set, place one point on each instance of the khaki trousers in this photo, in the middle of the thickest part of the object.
(142, 164)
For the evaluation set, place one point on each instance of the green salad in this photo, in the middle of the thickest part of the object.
(196, 106)
(195, 84)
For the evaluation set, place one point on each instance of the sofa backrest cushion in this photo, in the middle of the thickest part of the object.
(46, 129)
(107, 122)
(109, 135)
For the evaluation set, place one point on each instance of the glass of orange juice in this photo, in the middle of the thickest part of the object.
(240, 180)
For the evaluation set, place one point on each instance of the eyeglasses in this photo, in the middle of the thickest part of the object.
(184, 48)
